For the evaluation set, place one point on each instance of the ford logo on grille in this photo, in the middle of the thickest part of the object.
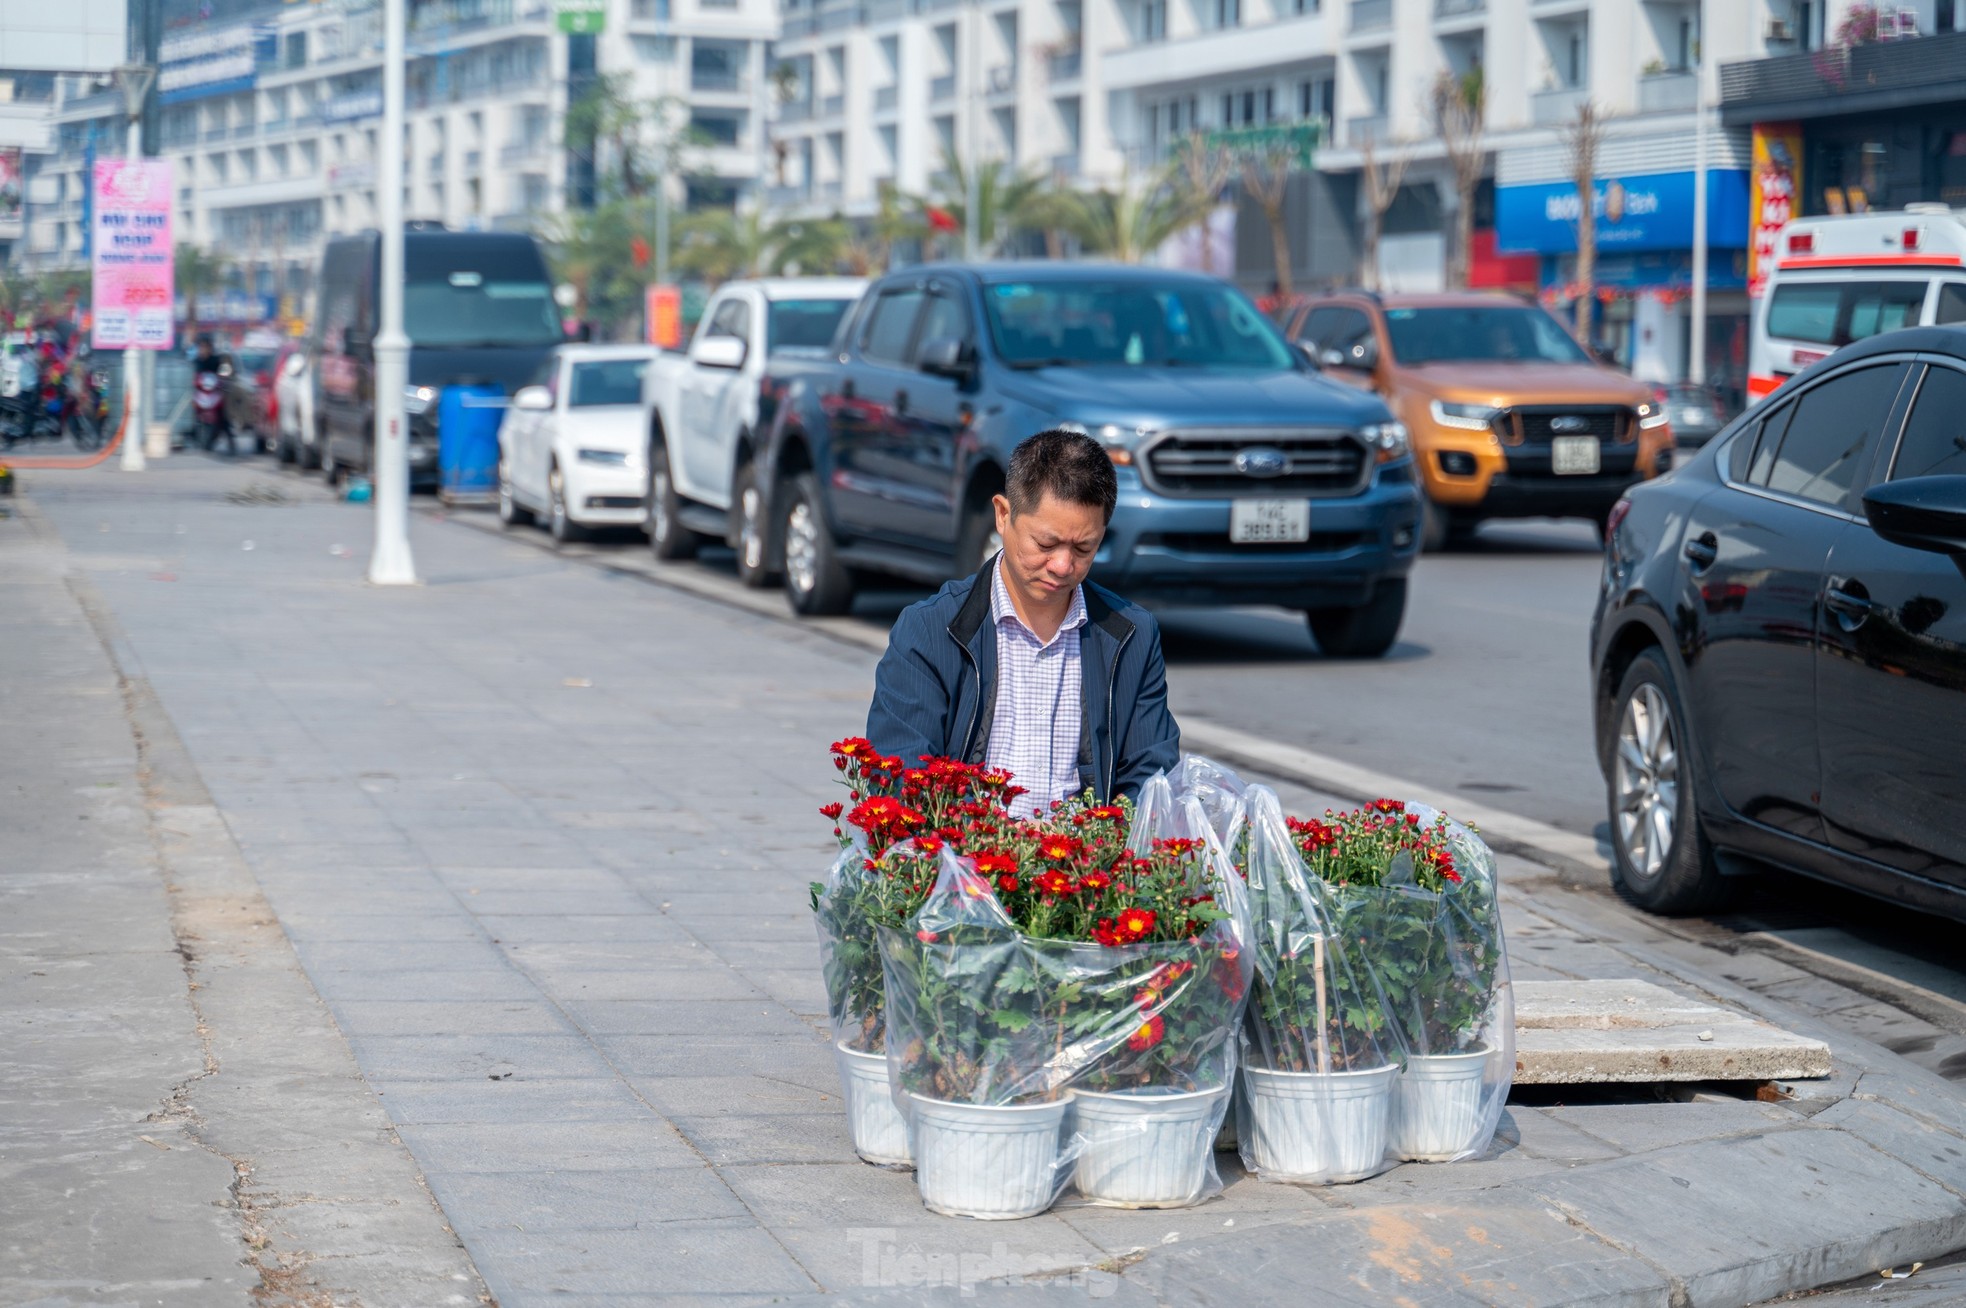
(1570, 422)
(1262, 461)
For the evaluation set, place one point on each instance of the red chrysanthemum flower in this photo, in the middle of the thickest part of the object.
(995, 864)
(1095, 882)
(831, 812)
(1135, 923)
(1053, 882)
(1060, 848)
(1007, 884)
(1148, 1034)
(1105, 933)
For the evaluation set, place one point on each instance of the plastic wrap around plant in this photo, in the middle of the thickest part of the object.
(1023, 1063)
(1382, 1002)
(1218, 791)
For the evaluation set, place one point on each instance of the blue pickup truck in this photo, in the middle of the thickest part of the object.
(1245, 477)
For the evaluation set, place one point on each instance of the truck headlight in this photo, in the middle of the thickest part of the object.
(418, 399)
(1651, 416)
(1387, 439)
(612, 458)
(1466, 417)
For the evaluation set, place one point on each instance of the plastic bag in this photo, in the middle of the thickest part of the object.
(1023, 1063)
(1319, 1062)
(856, 1007)
(1219, 791)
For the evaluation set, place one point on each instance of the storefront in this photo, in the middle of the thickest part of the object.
(1643, 279)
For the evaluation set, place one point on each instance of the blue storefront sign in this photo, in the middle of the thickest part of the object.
(1651, 211)
(199, 63)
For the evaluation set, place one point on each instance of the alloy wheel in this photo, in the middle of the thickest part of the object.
(1646, 775)
(802, 548)
(556, 486)
(659, 524)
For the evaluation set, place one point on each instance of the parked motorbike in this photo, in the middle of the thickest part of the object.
(87, 418)
(208, 411)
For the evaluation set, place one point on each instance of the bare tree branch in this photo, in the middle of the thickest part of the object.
(1584, 135)
(1459, 104)
(1382, 179)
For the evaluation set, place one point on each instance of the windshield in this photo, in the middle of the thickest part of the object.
(255, 361)
(464, 291)
(1480, 333)
(607, 382)
(803, 323)
(1131, 322)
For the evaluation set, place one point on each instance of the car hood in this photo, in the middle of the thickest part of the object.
(1159, 398)
(505, 366)
(617, 427)
(1503, 384)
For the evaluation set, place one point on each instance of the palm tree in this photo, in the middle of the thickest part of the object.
(1201, 171)
(1007, 200)
(870, 250)
(1128, 223)
(720, 244)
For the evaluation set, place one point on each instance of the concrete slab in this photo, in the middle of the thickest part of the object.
(1585, 1032)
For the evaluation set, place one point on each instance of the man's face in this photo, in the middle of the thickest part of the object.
(1049, 550)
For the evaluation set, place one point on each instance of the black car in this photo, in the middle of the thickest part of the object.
(1697, 412)
(1780, 644)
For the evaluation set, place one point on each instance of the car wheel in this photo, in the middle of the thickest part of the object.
(558, 521)
(816, 582)
(668, 537)
(283, 451)
(511, 513)
(980, 542)
(1363, 631)
(1441, 529)
(1660, 857)
(751, 528)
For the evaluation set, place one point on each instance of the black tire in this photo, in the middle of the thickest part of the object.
(1663, 869)
(978, 542)
(85, 431)
(1441, 529)
(1364, 631)
(669, 539)
(283, 451)
(559, 522)
(750, 529)
(309, 456)
(511, 513)
(817, 584)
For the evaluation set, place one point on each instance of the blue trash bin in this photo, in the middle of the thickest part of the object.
(468, 418)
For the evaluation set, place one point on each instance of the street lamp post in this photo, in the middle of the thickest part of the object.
(972, 175)
(390, 564)
(135, 80)
(1696, 363)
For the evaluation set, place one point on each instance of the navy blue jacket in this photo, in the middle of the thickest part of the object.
(935, 690)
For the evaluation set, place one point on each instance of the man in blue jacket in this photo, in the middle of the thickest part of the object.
(1025, 666)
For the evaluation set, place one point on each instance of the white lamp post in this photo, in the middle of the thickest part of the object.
(135, 80)
(391, 564)
(1696, 362)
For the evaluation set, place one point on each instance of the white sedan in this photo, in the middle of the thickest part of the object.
(573, 448)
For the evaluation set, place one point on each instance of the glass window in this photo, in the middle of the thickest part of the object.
(803, 323)
(1131, 321)
(945, 317)
(470, 307)
(607, 382)
(1952, 303)
(890, 326)
(1837, 313)
(1740, 455)
(1934, 443)
(1516, 333)
(733, 318)
(1831, 433)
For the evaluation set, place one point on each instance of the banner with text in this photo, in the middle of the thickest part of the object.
(133, 255)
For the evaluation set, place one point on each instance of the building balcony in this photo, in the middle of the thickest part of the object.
(649, 11)
(795, 111)
(474, 161)
(1064, 66)
(1238, 52)
(1003, 79)
(1668, 93)
(886, 99)
(840, 17)
(717, 79)
(519, 154)
(942, 88)
(1371, 16)
(1459, 8)
(1065, 166)
(889, 11)
(828, 192)
(798, 25)
(833, 106)
(1359, 129)
(1884, 76)
(1557, 108)
(786, 197)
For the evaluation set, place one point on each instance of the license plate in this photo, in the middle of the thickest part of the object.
(1268, 522)
(1575, 455)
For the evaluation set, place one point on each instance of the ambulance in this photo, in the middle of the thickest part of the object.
(1837, 279)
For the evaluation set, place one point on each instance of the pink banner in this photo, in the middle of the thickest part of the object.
(133, 255)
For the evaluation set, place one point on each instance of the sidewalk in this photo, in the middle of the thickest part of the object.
(539, 836)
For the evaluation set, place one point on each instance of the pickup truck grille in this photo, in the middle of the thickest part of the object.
(1208, 463)
(1538, 425)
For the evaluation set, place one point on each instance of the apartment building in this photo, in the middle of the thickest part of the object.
(272, 120)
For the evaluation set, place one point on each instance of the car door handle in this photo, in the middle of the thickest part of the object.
(1702, 550)
(901, 401)
(1850, 601)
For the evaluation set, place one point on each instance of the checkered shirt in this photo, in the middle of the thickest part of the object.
(1034, 732)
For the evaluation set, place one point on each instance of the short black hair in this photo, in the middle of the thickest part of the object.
(1070, 465)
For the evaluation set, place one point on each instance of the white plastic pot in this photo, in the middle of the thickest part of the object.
(992, 1161)
(1437, 1106)
(880, 1132)
(1318, 1126)
(1146, 1148)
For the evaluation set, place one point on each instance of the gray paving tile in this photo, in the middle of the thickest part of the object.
(618, 1200)
(514, 1099)
(603, 1146)
(387, 1059)
(706, 1258)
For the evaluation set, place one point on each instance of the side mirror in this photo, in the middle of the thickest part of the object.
(945, 356)
(533, 399)
(719, 352)
(1920, 513)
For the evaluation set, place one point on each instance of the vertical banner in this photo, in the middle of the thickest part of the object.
(1775, 195)
(11, 183)
(132, 264)
(665, 316)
